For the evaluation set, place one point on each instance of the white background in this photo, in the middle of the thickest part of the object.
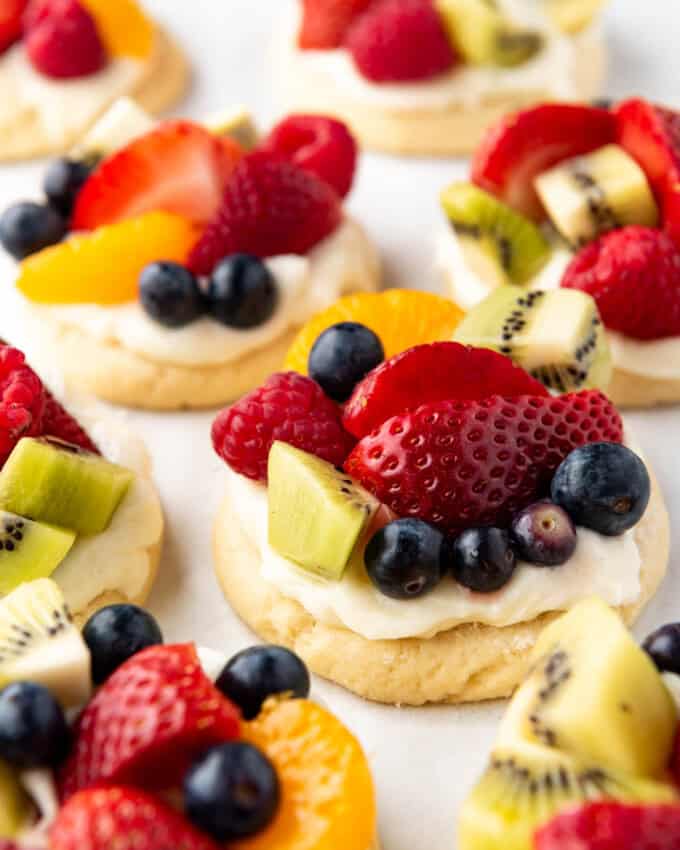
(424, 760)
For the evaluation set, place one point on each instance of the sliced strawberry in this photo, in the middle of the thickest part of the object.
(11, 13)
(325, 22)
(179, 167)
(525, 144)
(148, 722)
(442, 371)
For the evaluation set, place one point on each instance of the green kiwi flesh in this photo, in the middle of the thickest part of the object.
(57, 483)
(14, 807)
(556, 335)
(29, 550)
(317, 514)
(487, 225)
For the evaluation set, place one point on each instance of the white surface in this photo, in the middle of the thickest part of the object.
(424, 760)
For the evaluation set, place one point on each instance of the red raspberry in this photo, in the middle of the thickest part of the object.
(58, 422)
(461, 464)
(287, 407)
(62, 40)
(22, 401)
(325, 22)
(634, 276)
(270, 206)
(441, 371)
(399, 41)
(320, 145)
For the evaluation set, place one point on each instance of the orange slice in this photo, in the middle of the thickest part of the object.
(401, 318)
(103, 267)
(123, 27)
(327, 796)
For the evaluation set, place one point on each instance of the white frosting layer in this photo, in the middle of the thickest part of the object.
(344, 261)
(657, 359)
(608, 567)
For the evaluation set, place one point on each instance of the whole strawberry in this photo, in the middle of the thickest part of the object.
(62, 40)
(472, 463)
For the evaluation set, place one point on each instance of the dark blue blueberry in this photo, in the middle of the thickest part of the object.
(663, 646)
(405, 559)
(170, 294)
(603, 486)
(544, 534)
(259, 672)
(483, 559)
(116, 633)
(343, 355)
(28, 227)
(231, 792)
(33, 729)
(242, 292)
(64, 178)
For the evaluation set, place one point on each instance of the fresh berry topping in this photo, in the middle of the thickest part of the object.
(242, 292)
(114, 634)
(406, 558)
(663, 647)
(33, 729)
(22, 401)
(287, 407)
(400, 41)
(342, 356)
(64, 179)
(321, 145)
(62, 40)
(634, 276)
(612, 826)
(58, 422)
(148, 722)
(11, 14)
(170, 294)
(178, 167)
(544, 534)
(232, 792)
(126, 819)
(461, 464)
(271, 206)
(603, 486)
(483, 559)
(525, 144)
(28, 227)
(325, 22)
(260, 672)
(442, 371)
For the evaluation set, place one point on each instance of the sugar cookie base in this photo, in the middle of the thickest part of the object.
(628, 390)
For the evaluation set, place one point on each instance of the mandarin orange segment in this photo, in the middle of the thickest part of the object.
(103, 267)
(401, 318)
(327, 796)
(123, 27)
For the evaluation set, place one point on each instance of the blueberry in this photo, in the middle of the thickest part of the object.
(603, 486)
(33, 729)
(242, 292)
(343, 355)
(405, 558)
(28, 227)
(116, 633)
(663, 646)
(64, 178)
(483, 559)
(170, 294)
(544, 534)
(259, 672)
(231, 792)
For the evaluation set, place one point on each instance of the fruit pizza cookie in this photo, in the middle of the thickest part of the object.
(587, 755)
(565, 248)
(172, 264)
(407, 514)
(113, 739)
(429, 76)
(64, 62)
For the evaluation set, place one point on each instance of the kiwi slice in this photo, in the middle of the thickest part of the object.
(29, 550)
(556, 335)
(61, 484)
(39, 643)
(14, 806)
(589, 195)
(486, 225)
(484, 36)
(316, 512)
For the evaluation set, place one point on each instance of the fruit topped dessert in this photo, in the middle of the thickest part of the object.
(171, 264)
(586, 756)
(64, 62)
(565, 247)
(429, 76)
(407, 514)
(172, 746)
